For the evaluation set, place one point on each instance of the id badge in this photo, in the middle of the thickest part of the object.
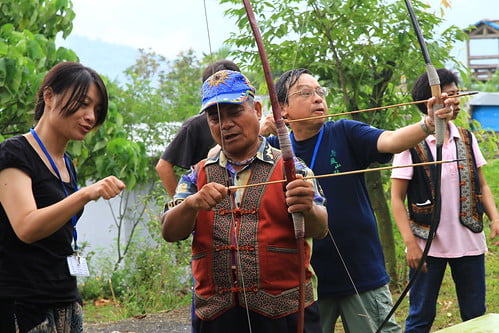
(77, 265)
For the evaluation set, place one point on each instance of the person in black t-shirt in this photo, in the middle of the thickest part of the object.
(40, 204)
(193, 141)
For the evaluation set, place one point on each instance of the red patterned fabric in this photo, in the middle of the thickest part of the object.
(248, 255)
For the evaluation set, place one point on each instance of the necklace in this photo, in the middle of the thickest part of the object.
(242, 163)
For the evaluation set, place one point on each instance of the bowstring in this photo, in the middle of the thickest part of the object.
(227, 181)
(365, 314)
(300, 35)
(342, 259)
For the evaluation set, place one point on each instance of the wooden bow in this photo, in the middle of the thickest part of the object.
(288, 159)
(440, 125)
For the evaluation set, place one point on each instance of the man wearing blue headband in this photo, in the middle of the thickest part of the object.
(244, 252)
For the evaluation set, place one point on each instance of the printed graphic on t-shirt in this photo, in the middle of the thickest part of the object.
(334, 163)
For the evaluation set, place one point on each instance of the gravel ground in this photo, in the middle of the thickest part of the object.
(175, 321)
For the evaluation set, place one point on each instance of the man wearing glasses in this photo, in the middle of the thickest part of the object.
(358, 292)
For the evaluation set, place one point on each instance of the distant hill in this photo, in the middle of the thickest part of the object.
(106, 58)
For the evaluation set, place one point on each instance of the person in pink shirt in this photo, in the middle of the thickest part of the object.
(465, 195)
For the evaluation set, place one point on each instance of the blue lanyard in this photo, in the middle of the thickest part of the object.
(72, 178)
(316, 148)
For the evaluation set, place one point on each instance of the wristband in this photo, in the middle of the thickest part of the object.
(425, 128)
(170, 204)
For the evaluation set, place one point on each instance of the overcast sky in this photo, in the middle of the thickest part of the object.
(170, 26)
(165, 26)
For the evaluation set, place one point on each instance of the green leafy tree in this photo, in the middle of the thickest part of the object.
(27, 50)
(160, 90)
(363, 50)
(182, 85)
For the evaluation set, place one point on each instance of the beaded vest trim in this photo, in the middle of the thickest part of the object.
(250, 295)
(471, 210)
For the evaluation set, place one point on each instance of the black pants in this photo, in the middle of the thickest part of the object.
(236, 320)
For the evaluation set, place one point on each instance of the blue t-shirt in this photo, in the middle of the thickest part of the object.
(346, 145)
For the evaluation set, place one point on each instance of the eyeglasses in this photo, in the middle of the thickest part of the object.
(308, 92)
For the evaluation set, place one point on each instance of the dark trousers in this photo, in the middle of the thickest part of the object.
(468, 274)
(236, 320)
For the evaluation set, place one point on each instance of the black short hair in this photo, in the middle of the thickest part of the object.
(75, 79)
(288, 80)
(421, 89)
(219, 66)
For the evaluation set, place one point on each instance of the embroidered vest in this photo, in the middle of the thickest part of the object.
(421, 192)
(248, 256)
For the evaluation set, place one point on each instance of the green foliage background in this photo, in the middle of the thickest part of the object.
(27, 50)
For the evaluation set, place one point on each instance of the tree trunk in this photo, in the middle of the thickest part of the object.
(381, 210)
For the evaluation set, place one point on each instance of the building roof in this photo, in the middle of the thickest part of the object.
(475, 28)
(491, 23)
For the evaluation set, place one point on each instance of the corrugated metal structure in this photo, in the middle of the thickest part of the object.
(484, 108)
